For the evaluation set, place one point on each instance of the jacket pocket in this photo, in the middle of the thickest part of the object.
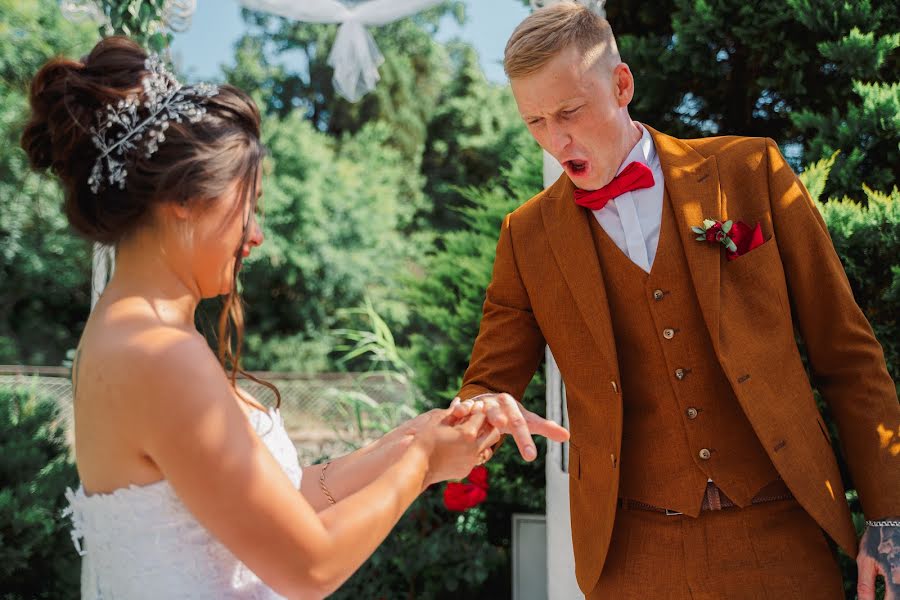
(749, 263)
(592, 500)
(574, 462)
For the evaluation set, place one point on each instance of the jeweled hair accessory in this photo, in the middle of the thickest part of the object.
(164, 99)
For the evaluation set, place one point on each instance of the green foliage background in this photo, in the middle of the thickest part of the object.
(37, 560)
(399, 199)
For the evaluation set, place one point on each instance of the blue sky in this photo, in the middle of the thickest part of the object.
(217, 24)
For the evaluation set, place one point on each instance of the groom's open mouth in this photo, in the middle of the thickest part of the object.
(576, 168)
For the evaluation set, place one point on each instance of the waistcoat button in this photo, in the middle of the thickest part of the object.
(692, 413)
(705, 454)
(658, 294)
(668, 333)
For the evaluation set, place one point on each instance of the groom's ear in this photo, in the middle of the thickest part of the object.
(624, 82)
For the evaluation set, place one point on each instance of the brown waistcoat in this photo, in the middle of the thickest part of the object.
(677, 403)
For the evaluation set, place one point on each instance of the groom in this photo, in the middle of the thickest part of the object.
(699, 465)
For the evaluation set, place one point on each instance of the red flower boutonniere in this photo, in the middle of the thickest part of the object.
(459, 496)
(737, 237)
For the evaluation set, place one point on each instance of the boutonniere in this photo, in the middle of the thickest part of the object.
(737, 237)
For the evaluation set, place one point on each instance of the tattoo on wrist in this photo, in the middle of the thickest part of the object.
(882, 543)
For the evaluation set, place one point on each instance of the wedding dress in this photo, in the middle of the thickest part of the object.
(141, 542)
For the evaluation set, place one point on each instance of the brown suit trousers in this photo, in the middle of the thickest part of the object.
(771, 551)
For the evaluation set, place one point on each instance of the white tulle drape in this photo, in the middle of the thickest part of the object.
(354, 57)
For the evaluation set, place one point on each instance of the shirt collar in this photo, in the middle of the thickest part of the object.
(643, 152)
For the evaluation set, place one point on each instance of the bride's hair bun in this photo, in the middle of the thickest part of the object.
(66, 93)
(198, 161)
(47, 98)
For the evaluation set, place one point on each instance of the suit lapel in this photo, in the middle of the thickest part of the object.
(569, 234)
(692, 181)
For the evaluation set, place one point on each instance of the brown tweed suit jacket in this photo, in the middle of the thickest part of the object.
(547, 287)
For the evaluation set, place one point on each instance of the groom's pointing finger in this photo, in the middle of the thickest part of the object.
(518, 426)
(547, 428)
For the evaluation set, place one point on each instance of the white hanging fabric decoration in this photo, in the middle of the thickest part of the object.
(354, 57)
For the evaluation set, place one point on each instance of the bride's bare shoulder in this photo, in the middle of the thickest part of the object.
(130, 355)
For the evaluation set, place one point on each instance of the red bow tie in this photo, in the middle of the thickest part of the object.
(635, 176)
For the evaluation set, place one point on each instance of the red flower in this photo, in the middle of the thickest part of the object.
(712, 234)
(745, 238)
(479, 477)
(460, 496)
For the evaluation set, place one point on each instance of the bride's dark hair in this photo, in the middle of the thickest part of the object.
(196, 163)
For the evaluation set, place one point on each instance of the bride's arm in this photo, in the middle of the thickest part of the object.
(348, 474)
(192, 427)
(345, 475)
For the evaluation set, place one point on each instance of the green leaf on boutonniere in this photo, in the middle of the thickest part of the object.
(696, 229)
(700, 238)
(726, 226)
(707, 223)
(731, 245)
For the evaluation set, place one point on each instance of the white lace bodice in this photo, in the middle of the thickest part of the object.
(141, 542)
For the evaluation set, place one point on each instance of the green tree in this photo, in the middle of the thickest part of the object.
(334, 213)
(44, 269)
(867, 132)
(475, 129)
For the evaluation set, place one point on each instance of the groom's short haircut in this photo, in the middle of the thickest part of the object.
(548, 31)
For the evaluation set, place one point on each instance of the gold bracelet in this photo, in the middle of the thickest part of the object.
(325, 487)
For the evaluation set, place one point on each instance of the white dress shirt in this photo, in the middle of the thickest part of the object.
(632, 220)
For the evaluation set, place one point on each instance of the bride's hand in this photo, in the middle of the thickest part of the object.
(509, 416)
(453, 446)
(404, 433)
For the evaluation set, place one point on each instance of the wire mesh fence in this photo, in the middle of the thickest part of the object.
(325, 414)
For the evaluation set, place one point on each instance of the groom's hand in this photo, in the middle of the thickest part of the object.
(509, 416)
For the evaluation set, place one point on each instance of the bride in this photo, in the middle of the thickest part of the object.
(189, 487)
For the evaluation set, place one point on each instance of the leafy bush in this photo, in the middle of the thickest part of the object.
(867, 238)
(37, 559)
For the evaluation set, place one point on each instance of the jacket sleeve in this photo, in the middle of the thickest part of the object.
(846, 361)
(509, 346)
